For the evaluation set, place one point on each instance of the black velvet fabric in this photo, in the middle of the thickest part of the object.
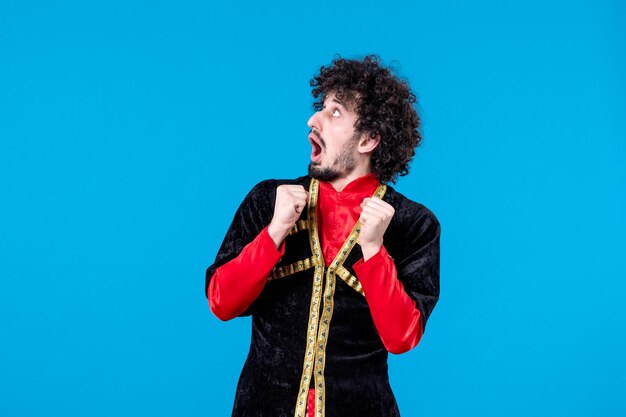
(356, 378)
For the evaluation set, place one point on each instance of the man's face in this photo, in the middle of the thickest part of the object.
(334, 140)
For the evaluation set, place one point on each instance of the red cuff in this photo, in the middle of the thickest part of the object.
(237, 283)
(378, 257)
(268, 246)
(395, 315)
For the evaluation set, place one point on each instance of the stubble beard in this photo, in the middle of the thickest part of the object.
(342, 166)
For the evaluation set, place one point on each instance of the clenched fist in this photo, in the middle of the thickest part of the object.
(375, 218)
(290, 201)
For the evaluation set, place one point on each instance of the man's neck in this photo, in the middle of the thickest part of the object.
(340, 183)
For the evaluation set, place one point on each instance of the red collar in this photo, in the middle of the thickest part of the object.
(365, 184)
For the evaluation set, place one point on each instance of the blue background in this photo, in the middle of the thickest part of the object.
(131, 131)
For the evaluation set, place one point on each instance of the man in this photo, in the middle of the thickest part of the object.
(336, 268)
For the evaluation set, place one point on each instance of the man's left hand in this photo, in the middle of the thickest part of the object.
(375, 218)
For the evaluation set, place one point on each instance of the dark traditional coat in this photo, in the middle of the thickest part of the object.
(311, 324)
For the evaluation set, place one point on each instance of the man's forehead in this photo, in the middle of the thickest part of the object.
(347, 100)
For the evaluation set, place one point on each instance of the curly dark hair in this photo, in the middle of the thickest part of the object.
(384, 104)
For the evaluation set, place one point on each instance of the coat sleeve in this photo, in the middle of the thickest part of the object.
(418, 263)
(251, 218)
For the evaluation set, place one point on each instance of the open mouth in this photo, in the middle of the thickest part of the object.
(316, 152)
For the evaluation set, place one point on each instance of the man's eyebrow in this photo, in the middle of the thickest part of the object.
(341, 103)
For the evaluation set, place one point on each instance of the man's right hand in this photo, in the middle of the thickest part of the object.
(290, 201)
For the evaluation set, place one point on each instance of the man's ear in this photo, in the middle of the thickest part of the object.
(369, 141)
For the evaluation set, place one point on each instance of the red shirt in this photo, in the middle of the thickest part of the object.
(236, 284)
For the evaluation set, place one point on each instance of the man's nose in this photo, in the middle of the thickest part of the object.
(313, 122)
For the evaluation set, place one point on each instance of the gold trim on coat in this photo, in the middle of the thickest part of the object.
(316, 346)
(285, 270)
(350, 279)
(300, 226)
(318, 276)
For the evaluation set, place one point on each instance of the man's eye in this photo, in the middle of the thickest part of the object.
(336, 113)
